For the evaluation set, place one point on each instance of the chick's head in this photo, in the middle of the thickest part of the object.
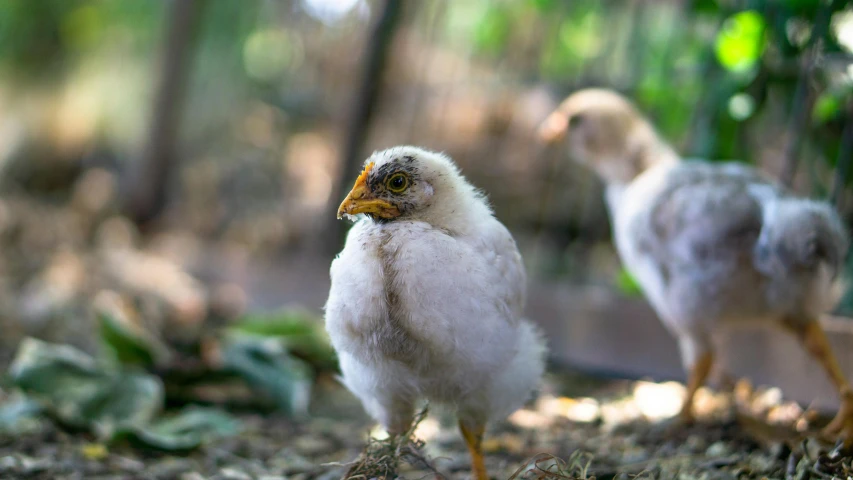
(603, 130)
(409, 183)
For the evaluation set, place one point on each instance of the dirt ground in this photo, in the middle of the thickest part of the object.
(601, 428)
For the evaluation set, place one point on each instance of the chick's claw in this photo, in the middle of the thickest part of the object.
(842, 425)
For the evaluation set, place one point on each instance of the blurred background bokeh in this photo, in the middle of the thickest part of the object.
(169, 172)
(174, 166)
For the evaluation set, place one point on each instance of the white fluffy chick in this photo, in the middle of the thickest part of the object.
(427, 298)
(711, 244)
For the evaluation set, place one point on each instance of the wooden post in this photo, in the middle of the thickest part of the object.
(152, 175)
(366, 96)
(845, 157)
(803, 98)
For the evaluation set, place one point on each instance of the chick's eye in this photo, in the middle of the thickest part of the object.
(397, 182)
(575, 121)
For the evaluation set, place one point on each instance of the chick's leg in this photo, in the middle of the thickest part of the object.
(396, 416)
(472, 432)
(384, 400)
(698, 358)
(696, 378)
(814, 340)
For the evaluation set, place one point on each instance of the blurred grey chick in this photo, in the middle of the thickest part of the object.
(711, 244)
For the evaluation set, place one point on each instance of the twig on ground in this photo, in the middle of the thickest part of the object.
(381, 458)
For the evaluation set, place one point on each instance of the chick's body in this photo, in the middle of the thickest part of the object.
(435, 316)
(720, 244)
(710, 244)
(427, 299)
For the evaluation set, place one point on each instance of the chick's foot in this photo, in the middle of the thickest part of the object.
(842, 425)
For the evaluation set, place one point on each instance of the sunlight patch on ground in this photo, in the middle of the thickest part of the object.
(657, 401)
(530, 419)
(619, 411)
(378, 433)
(575, 409)
(427, 429)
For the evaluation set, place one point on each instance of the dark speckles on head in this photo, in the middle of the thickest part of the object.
(405, 200)
(378, 176)
(420, 185)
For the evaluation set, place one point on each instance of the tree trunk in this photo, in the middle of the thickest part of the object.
(804, 98)
(152, 174)
(366, 96)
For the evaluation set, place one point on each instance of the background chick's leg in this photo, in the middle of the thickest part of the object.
(698, 358)
(814, 340)
(472, 432)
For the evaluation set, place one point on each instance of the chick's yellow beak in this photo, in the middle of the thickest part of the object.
(361, 200)
(553, 129)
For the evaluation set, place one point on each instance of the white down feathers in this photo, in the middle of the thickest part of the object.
(430, 304)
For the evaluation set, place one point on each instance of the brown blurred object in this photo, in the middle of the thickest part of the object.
(228, 301)
(63, 261)
(53, 291)
(94, 192)
(364, 102)
(148, 194)
(165, 291)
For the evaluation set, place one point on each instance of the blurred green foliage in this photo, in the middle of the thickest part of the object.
(300, 332)
(186, 430)
(127, 343)
(268, 367)
(82, 393)
(493, 29)
(39, 40)
(741, 41)
(706, 70)
(32, 36)
(627, 284)
(121, 394)
(277, 355)
(719, 78)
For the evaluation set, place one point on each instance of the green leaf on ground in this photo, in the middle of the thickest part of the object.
(123, 334)
(19, 416)
(301, 333)
(267, 366)
(186, 430)
(111, 402)
(82, 393)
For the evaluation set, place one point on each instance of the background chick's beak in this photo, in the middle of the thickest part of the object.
(554, 127)
(361, 200)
